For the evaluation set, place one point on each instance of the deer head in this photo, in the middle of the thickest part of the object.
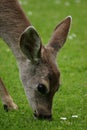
(39, 72)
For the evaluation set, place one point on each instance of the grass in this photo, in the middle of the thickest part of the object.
(72, 60)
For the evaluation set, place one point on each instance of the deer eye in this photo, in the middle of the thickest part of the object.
(42, 88)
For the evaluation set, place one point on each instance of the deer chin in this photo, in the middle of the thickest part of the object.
(42, 116)
(40, 111)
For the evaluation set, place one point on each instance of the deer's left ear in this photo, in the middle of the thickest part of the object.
(30, 44)
(60, 34)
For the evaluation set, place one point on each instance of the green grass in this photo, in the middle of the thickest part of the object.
(72, 60)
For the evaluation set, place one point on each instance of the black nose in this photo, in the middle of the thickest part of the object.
(43, 117)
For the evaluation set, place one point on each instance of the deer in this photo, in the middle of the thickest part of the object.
(37, 65)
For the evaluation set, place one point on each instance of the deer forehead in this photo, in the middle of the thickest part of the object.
(45, 71)
(52, 70)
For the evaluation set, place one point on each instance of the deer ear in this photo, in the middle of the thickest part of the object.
(60, 34)
(30, 44)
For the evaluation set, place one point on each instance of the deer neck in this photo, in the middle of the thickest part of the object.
(12, 23)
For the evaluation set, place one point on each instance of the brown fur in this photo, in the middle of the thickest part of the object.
(54, 74)
(37, 64)
(6, 98)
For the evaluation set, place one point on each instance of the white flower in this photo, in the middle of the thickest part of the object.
(7, 50)
(63, 118)
(29, 13)
(23, 2)
(77, 1)
(74, 116)
(57, 1)
(72, 36)
(67, 3)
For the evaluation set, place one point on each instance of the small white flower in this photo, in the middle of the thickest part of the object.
(67, 3)
(63, 118)
(29, 13)
(7, 50)
(85, 94)
(72, 36)
(23, 2)
(74, 116)
(20, 2)
(57, 1)
(77, 1)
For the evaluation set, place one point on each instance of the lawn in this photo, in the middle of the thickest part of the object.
(70, 102)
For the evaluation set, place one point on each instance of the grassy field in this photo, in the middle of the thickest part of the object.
(70, 103)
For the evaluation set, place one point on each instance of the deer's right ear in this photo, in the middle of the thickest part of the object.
(60, 35)
(30, 44)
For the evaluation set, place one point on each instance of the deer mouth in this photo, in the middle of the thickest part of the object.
(42, 116)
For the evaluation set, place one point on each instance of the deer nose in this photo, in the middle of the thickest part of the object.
(43, 116)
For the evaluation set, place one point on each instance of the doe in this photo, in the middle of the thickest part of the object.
(37, 63)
